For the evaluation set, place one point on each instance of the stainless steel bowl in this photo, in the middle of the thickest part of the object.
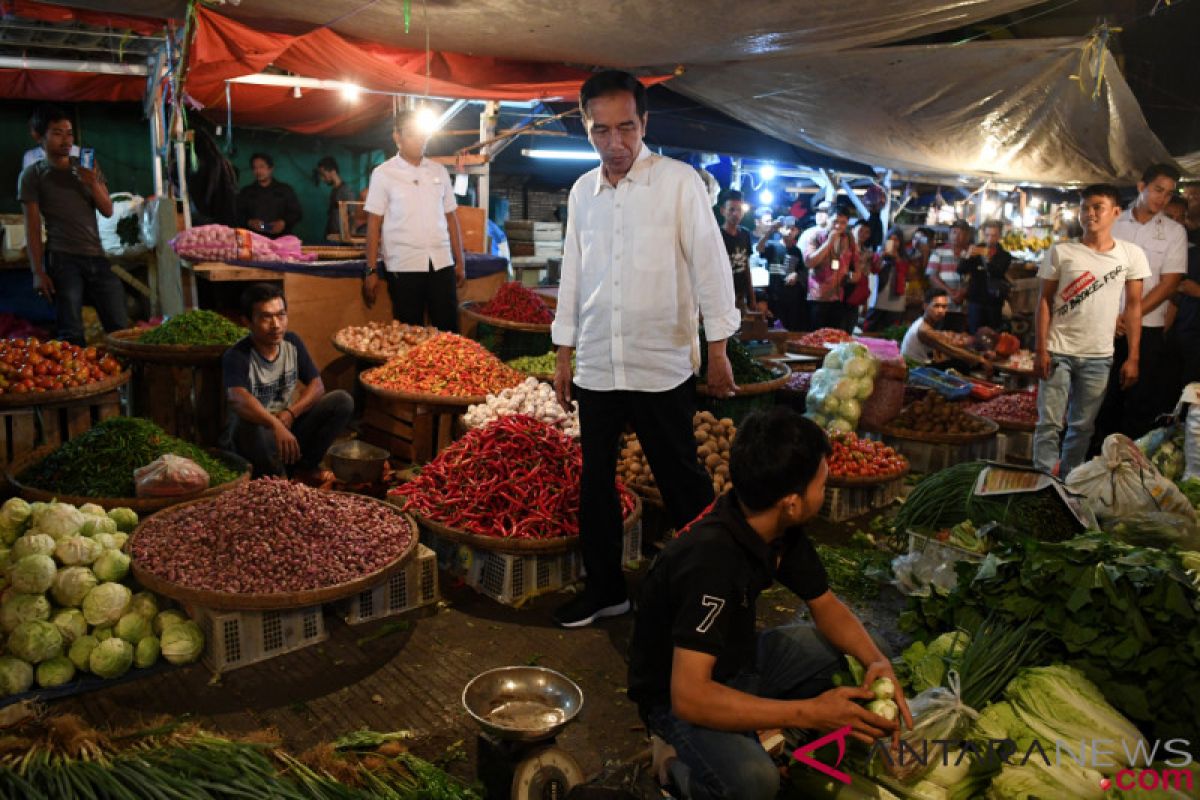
(355, 461)
(525, 704)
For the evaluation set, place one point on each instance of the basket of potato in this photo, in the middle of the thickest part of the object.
(714, 437)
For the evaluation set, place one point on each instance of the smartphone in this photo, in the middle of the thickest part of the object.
(789, 221)
(87, 157)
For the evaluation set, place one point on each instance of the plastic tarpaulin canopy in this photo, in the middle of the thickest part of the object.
(224, 48)
(647, 33)
(1008, 110)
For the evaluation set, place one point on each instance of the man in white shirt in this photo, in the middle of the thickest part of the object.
(411, 209)
(1081, 287)
(642, 257)
(1133, 411)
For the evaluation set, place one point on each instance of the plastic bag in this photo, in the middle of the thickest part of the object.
(1122, 481)
(939, 714)
(169, 476)
(839, 387)
(1164, 447)
(1191, 434)
(124, 205)
(1155, 529)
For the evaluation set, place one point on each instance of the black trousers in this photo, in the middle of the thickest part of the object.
(415, 293)
(663, 423)
(827, 314)
(1133, 412)
(315, 431)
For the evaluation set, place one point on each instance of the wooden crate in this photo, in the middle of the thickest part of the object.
(842, 503)
(185, 401)
(25, 429)
(1015, 447)
(412, 432)
(926, 457)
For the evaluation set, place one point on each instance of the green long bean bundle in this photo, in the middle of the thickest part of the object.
(100, 462)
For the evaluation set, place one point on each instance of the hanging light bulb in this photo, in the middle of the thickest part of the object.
(351, 92)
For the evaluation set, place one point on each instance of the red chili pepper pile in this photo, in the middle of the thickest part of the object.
(447, 365)
(515, 303)
(1016, 407)
(514, 478)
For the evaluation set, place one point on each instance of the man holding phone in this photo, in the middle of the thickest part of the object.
(71, 267)
(985, 270)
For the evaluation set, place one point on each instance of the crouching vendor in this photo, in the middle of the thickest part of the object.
(279, 430)
(704, 681)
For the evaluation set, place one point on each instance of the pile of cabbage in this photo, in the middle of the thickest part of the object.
(839, 388)
(67, 606)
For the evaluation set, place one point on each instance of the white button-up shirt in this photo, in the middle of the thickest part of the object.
(413, 202)
(1165, 243)
(641, 260)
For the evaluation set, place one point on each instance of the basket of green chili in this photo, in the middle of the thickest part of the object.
(193, 337)
(97, 467)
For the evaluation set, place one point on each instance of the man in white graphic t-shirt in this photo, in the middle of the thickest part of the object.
(1081, 287)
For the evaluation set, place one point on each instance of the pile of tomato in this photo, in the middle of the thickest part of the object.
(854, 457)
(30, 365)
(823, 336)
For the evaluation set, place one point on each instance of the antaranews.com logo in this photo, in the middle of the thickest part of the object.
(1140, 767)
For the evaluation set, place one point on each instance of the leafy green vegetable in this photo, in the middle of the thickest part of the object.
(1125, 616)
(746, 368)
(1037, 780)
(1191, 490)
(927, 664)
(197, 327)
(100, 463)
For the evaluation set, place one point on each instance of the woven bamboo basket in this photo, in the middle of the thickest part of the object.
(494, 544)
(943, 438)
(471, 309)
(854, 482)
(277, 600)
(142, 505)
(31, 399)
(125, 343)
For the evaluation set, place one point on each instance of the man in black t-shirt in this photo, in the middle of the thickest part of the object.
(738, 246)
(278, 430)
(703, 679)
(985, 271)
(267, 206)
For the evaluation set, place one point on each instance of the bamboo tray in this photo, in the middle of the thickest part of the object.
(495, 544)
(943, 438)
(363, 355)
(426, 399)
(229, 601)
(126, 343)
(781, 371)
(142, 505)
(470, 308)
(850, 482)
(30, 399)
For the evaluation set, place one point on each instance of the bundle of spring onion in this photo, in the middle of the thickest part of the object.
(62, 758)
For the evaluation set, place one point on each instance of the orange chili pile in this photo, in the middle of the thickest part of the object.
(446, 365)
(515, 303)
(514, 478)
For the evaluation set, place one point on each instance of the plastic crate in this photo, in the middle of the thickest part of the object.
(949, 386)
(919, 543)
(412, 587)
(842, 503)
(514, 579)
(238, 638)
(926, 457)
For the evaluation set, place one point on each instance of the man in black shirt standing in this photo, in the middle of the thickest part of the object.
(985, 269)
(738, 246)
(703, 679)
(330, 175)
(267, 206)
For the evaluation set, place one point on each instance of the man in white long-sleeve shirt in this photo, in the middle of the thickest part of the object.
(643, 258)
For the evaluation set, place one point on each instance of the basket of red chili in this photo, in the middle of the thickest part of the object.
(509, 486)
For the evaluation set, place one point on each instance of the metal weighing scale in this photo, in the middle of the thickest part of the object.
(521, 710)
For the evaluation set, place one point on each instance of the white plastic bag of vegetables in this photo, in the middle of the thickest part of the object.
(1122, 481)
(839, 387)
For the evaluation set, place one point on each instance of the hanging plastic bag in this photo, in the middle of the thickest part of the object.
(1122, 481)
(110, 228)
(1191, 430)
(939, 714)
(170, 476)
(1155, 529)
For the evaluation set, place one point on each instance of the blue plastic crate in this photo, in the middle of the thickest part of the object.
(944, 384)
